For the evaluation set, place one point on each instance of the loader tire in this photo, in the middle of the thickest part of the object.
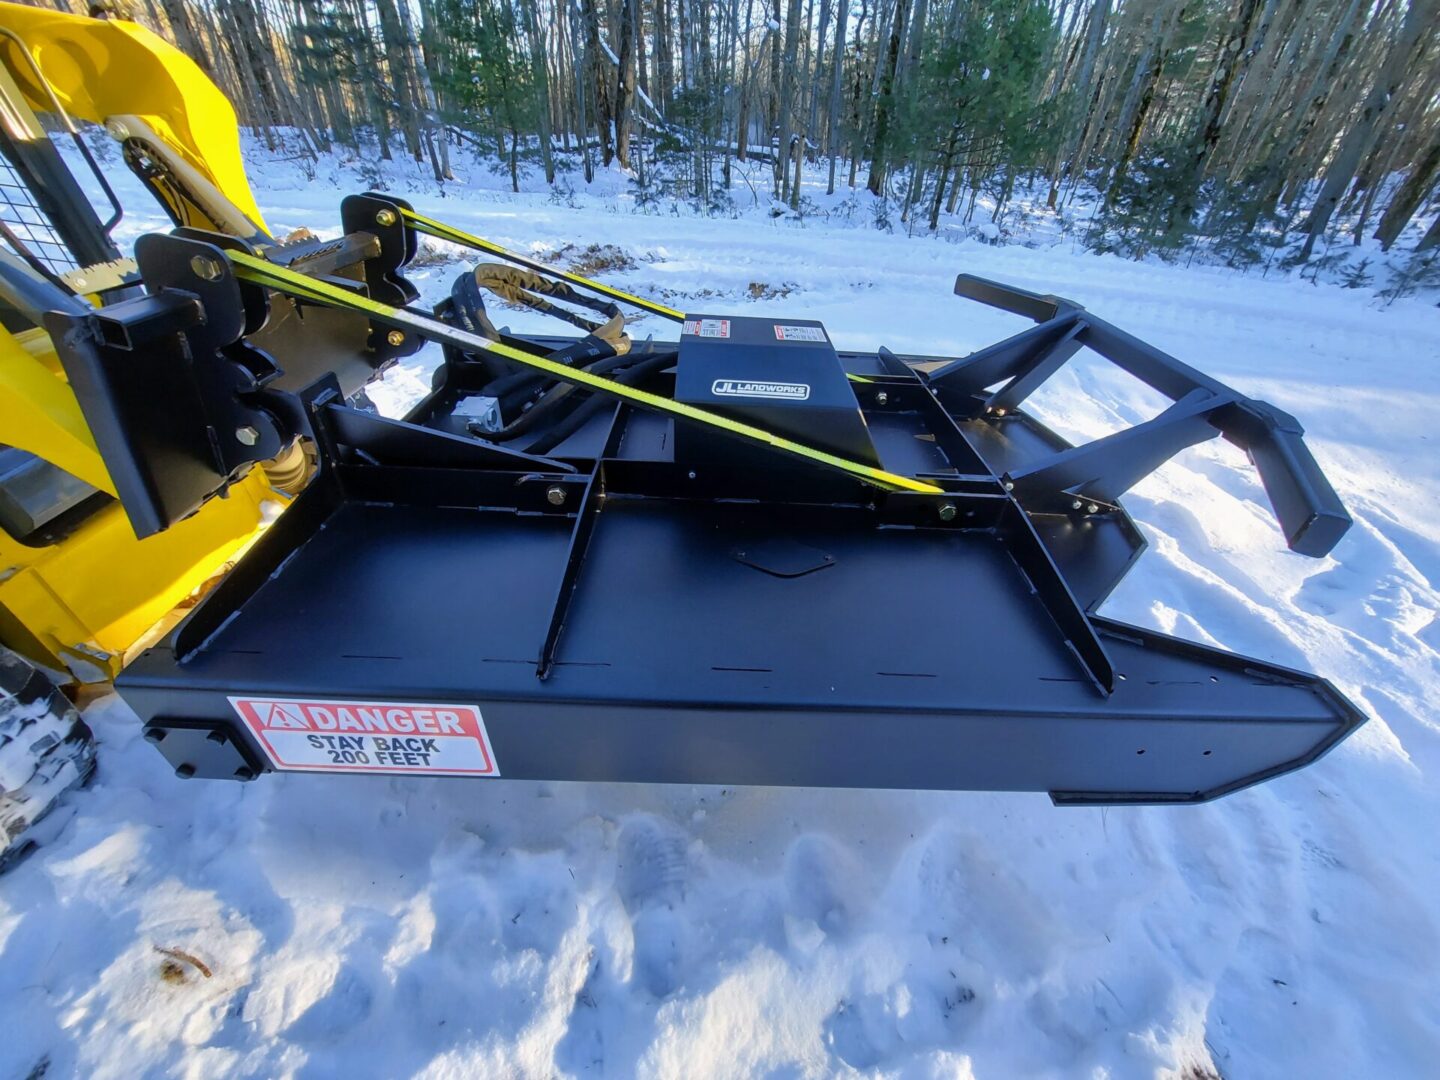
(45, 751)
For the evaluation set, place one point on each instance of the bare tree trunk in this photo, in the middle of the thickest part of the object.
(581, 78)
(625, 79)
(1357, 139)
(832, 133)
(540, 71)
(784, 153)
(1432, 236)
(1408, 199)
(596, 76)
(876, 183)
(1095, 34)
(1234, 55)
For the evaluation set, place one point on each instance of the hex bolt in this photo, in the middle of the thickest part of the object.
(247, 435)
(999, 412)
(385, 217)
(1009, 485)
(185, 772)
(396, 338)
(206, 268)
(882, 398)
(555, 495)
(947, 512)
(1076, 505)
(1092, 508)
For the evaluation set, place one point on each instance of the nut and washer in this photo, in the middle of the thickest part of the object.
(396, 338)
(385, 217)
(206, 268)
(882, 398)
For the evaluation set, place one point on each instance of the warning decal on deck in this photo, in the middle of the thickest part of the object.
(707, 327)
(800, 333)
(370, 736)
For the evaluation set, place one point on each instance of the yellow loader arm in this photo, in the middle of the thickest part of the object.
(149, 95)
(80, 593)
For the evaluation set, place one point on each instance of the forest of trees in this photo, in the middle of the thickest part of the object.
(1242, 124)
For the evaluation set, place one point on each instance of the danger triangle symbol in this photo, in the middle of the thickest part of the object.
(286, 716)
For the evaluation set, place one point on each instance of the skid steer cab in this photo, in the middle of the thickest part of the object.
(742, 556)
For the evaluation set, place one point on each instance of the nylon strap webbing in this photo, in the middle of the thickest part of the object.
(258, 271)
(442, 231)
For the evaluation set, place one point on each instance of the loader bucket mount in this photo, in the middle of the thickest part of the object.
(745, 557)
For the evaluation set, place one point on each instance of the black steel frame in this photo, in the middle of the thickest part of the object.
(1025, 541)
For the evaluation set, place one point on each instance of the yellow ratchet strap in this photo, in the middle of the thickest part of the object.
(257, 271)
(441, 231)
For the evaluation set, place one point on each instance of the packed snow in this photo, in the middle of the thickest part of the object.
(316, 926)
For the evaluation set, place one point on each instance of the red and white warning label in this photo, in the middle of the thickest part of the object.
(800, 333)
(707, 327)
(370, 736)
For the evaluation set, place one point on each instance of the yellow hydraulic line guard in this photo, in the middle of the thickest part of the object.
(257, 270)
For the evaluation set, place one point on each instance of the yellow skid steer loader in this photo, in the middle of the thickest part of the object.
(78, 590)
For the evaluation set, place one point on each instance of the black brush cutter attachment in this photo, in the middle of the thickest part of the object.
(746, 557)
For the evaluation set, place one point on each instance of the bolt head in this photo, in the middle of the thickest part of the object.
(206, 268)
(1092, 508)
(947, 512)
(396, 338)
(386, 218)
(555, 495)
(999, 412)
(1076, 505)
(882, 398)
(247, 436)
(1009, 485)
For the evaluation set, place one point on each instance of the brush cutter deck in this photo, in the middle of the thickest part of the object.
(622, 590)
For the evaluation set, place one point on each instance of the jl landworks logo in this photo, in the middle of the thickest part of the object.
(783, 391)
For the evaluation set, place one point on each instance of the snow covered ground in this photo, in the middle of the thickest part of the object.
(372, 927)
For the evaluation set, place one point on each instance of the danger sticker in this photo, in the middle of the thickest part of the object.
(708, 327)
(800, 333)
(370, 736)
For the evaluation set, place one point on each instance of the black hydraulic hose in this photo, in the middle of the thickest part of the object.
(515, 398)
(586, 352)
(567, 426)
(557, 396)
